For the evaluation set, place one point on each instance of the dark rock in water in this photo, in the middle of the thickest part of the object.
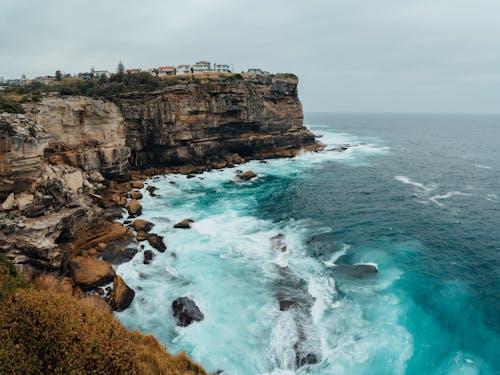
(172, 182)
(117, 255)
(148, 256)
(279, 243)
(34, 210)
(307, 359)
(152, 189)
(285, 305)
(262, 161)
(157, 242)
(190, 176)
(186, 311)
(356, 271)
(184, 224)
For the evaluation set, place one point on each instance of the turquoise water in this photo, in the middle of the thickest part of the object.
(419, 198)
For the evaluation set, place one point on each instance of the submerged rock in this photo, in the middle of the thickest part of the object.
(152, 189)
(117, 255)
(247, 176)
(184, 224)
(186, 311)
(121, 296)
(148, 257)
(356, 271)
(278, 242)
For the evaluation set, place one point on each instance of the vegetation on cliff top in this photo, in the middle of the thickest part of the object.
(43, 331)
(117, 84)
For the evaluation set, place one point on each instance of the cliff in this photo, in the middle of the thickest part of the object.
(215, 121)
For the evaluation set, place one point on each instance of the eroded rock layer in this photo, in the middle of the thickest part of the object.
(216, 121)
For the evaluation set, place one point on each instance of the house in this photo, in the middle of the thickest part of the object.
(202, 67)
(256, 71)
(223, 68)
(101, 73)
(166, 71)
(184, 69)
(133, 71)
(14, 82)
(85, 75)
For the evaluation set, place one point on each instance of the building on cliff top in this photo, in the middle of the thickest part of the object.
(133, 71)
(202, 67)
(101, 73)
(223, 68)
(166, 71)
(184, 69)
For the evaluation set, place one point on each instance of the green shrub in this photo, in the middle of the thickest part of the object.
(9, 105)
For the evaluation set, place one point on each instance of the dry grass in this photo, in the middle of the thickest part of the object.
(153, 359)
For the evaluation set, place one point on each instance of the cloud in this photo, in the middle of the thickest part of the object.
(351, 55)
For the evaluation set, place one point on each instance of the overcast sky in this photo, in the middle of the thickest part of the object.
(350, 55)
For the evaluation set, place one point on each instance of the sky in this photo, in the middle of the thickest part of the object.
(350, 55)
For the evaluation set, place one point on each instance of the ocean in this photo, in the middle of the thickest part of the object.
(415, 196)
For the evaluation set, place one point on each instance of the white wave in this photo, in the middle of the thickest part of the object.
(482, 166)
(407, 180)
(492, 197)
(436, 198)
(367, 264)
(336, 255)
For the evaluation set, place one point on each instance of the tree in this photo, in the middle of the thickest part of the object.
(92, 72)
(58, 75)
(121, 68)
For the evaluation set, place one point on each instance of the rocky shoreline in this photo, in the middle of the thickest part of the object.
(71, 165)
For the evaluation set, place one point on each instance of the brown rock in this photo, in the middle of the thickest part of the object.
(137, 184)
(157, 242)
(141, 236)
(104, 231)
(34, 210)
(8, 204)
(101, 246)
(142, 225)
(247, 176)
(134, 208)
(135, 194)
(89, 273)
(121, 297)
(184, 224)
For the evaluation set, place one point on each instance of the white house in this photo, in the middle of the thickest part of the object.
(202, 67)
(183, 69)
(222, 68)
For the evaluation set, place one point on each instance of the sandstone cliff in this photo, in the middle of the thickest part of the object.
(212, 121)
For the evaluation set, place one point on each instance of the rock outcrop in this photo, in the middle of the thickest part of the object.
(216, 121)
(83, 132)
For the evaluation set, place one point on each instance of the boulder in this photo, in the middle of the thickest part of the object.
(142, 225)
(112, 213)
(8, 204)
(141, 236)
(23, 200)
(247, 176)
(186, 311)
(278, 243)
(34, 210)
(151, 189)
(74, 180)
(121, 296)
(135, 194)
(184, 224)
(134, 208)
(89, 273)
(157, 242)
(148, 256)
(137, 184)
(118, 255)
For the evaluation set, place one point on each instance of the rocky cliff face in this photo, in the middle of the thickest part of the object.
(53, 158)
(215, 121)
(83, 132)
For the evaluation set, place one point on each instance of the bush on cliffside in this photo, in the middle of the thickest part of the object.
(44, 332)
(9, 105)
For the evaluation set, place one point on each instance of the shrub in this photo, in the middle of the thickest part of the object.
(9, 105)
(46, 332)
